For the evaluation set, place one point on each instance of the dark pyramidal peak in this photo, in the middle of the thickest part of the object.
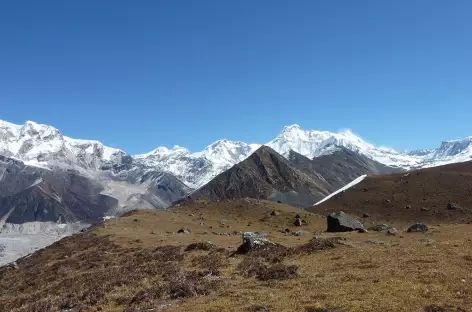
(297, 180)
(438, 194)
(265, 175)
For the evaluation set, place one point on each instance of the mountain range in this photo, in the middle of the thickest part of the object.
(162, 176)
(43, 145)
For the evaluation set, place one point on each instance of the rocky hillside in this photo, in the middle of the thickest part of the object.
(33, 194)
(341, 166)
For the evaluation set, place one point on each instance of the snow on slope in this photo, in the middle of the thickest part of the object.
(317, 143)
(351, 184)
(196, 169)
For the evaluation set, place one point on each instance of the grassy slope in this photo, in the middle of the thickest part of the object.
(421, 195)
(123, 266)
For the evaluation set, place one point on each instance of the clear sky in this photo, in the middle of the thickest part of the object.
(140, 74)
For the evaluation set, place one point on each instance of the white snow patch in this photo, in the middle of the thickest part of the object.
(39, 180)
(350, 184)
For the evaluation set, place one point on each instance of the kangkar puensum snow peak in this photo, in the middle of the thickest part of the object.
(45, 145)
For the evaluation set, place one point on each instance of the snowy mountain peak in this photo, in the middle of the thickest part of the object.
(41, 132)
(39, 144)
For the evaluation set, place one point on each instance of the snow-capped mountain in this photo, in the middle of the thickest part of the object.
(196, 169)
(38, 145)
(317, 143)
(43, 145)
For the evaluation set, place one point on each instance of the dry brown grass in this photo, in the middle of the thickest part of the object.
(107, 269)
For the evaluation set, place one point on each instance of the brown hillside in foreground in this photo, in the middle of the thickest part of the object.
(421, 195)
(139, 263)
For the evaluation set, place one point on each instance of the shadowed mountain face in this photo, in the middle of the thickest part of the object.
(34, 194)
(265, 175)
(140, 187)
(340, 167)
(418, 196)
(299, 180)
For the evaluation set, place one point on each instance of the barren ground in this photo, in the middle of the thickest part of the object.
(140, 263)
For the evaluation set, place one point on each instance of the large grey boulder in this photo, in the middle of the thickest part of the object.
(254, 241)
(342, 222)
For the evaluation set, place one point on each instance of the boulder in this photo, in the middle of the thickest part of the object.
(9, 266)
(298, 222)
(341, 222)
(392, 231)
(418, 227)
(254, 241)
(298, 233)
(452, 206)
(379, 228)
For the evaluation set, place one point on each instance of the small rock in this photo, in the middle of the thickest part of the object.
(362, 231)
(426, 241)
(279, 202)
(418, 227)
(9, 266)
(375, 241)
(287, 231)
(392, 231)
(298, 222)
(76, 308)
(253, 241)
(452, 206)
(184, 230)
(274, 213)
(299, 233)
(155, 233)
(408, 207)
(342, 222)
(388, 201)
(365, 215)
(424, 209)
(379, 228)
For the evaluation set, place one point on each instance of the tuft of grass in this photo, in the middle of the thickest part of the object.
(254, 267)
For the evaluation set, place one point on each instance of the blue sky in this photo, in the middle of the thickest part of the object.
(139, 74)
